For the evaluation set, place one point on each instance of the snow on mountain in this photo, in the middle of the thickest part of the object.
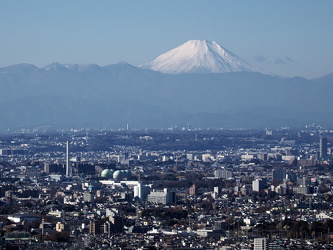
(198, 56)
(73, 67)
(54, 67)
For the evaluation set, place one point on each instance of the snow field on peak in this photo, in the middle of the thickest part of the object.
(198, 56)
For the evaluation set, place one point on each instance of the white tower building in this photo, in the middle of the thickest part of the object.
(68, 167)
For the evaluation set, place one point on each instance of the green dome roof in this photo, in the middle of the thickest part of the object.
(118, 175)
(107, 173)
(121, 174)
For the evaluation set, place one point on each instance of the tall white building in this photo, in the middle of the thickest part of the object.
(141, 191)
(260, 244)
(68, 166)
(258, 185)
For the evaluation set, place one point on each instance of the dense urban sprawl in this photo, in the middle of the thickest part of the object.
(177, 188)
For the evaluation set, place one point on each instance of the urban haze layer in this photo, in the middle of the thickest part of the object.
(176, 188)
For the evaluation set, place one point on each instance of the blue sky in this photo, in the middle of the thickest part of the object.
(289, 38)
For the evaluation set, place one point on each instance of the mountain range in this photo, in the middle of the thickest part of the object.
(92, 96)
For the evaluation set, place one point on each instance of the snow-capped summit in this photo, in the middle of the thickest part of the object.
(198, 56)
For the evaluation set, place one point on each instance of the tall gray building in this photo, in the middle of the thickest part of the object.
(162, 196)
(279, 174)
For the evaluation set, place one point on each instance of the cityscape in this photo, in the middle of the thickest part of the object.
(174, 188)
(177, 125)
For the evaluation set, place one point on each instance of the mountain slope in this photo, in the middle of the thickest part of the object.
(198, 56)
(66, 96)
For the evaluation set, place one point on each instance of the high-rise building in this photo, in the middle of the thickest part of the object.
(54, 168)
(68, 166)
(260, 243)
(141, 192)
(217, 190)
(94, 227)
(222, 173)
(279, 174)
(323, 148)
(291, 177)
(258, 185)
(193, 190)
(301, 190)
(162, 196)
(117, 224)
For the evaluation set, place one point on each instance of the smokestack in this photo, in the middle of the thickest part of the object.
(68, 168)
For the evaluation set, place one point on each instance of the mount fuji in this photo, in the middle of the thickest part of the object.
(93, 96)
(198, 56)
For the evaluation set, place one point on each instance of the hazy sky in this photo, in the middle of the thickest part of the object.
(289, 38)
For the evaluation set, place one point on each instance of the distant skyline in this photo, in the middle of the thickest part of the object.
(288, 38)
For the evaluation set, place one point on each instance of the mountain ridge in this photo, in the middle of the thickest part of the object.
(117, 94)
